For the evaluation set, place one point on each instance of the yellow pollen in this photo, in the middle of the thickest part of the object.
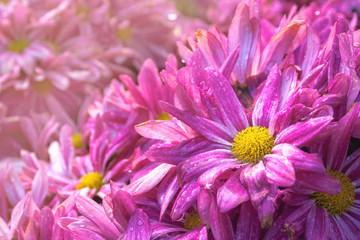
(18, 46)
(123, 34)
(252, 144)
(91, 180)
(42, 87)
(5, 2)
(77, 141)
(339, 203)
(192, 220)
(163, 116)
(198, 33)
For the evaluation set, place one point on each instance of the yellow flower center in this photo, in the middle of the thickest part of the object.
(252, 144)
(42, 87)
(18, 46)
(339, 203)
(91, 180)
(123, 34)
(192, 220)
(5, 2)
(163, 116)
(83, 12)
(186, 7)
(77, 141)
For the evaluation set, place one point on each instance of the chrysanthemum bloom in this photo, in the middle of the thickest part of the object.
(266, 158)
(256, 57)
(20, 46)
(46, 78)
(28, 221)
(336, 56)
(321, 215)
(143, 27)
(26, 133)
(122, 215)
(69, 173)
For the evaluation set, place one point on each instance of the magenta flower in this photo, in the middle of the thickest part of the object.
(24, 133)
(336, 214)
(228, 140)
(122, 215)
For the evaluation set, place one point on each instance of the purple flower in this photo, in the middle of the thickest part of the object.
(322, 215)
(228, 140)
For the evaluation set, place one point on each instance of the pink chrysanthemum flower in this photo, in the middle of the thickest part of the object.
(228, 140)
(123, 215)
(143, 27)
(20, 45)
(26, 133)
(259, 49)
(320, 215)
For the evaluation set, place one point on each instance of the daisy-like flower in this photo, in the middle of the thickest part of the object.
(26, 133)
(265, 157)
(122, 215)
(144, 28)
(320, 215)
(20, 46)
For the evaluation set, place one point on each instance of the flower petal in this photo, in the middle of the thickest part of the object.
(148, 181)
(233, 113)
(203, 202)
(163, 130)
(232, 193)
(4, 230)
(209, 129)
(286, 40)
(199, 233)
(254, 179)
(320, 182)
(317, 224)
(220, 223)
(167, 190)
(12, 185)
(248, 225)
(279, 170)
(193, 167)
(40, 186)
(209, 177)
(340, 138)
(300, 159)
(243, 33)
(185, 199)
(175, 153)
(303, 133)
(95, 213)
(46, 223)
(267, 103)
(139, 226)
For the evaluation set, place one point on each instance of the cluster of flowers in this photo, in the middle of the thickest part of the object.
(254, 134)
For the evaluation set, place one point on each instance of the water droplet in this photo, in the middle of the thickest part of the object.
(140, 223)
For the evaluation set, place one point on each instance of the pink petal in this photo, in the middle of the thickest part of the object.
(279, 170)
(149, 181)
(317, 224)
(162, 130)
(139, 226)
(232, 193)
